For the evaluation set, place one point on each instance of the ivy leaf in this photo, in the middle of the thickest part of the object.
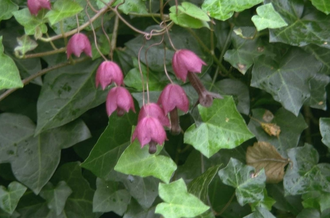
(30, 22)
(316, 199)
(178, 202)
(111, 144)
(184, 20)
(222, 127)
(325, 130)
(245, 50)
(108, 198)
(267, 202)
(268, 18)
(291, 128)
(137, 161)
(56, 196)
(249, 185)
(193, 11)
(9, 197)
(322, 5)
(25, 44)
(7, 7)
(300, 17)
(286, 78)
(305, 174)
(63, 9)
(223, 9)
(9, 74)
(136, 211)
(260, 213)
(67, 93)
(137, 6)
(321, 54)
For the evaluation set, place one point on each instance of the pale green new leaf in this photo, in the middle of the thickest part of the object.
(193, 11)
(6, 9)
(268, 18)
(325, 130)
(137, 6)
(316, 199)
(9, 74)
(185, 20)
(25, 44)
(322, 5)
(260, 213)
(31, 23)
(10, 197)
(63, 9)
(249, 185)
(222, 127)
(137, 161)
(178, 202)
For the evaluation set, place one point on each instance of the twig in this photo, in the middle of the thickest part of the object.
(114, 37)
(42, 54)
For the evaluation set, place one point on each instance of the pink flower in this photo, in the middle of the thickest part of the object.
(119, 99)
(107, 73)
(172, 97)
(153, 110)
(149, 131)
(185, 61)
(36, 5)
(77, 44)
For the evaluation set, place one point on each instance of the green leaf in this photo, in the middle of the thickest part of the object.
(193, 11)
(268, 18)
(56, 197)
(63, 9)
(178, 202)
(300, 17)
(325, 130)
(260, 213)
(137, 161)
(322, 5)
(245, 51)
(222, 127)
(9, 74)
(267, 202)
(7, 7)
(9, 197)
(249, 185)
(108, 197)
(223, 9)
(309, 212)
(67, 93)
(291, 128)
(305, 174)
(200, 185)
(321, 54)
(316, 199)
(137, 6)
(287, 79)
(185, 20)
(136, 211)
(30, 22)
(110, 145)
(25, 44)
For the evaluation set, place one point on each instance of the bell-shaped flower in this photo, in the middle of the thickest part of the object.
(120, 100)
(173, 96)
(153, 110)
(107, 73)
(185, 61)
(149, 131)
(77, 44)
(36, 5)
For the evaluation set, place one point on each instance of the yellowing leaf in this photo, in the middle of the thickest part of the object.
(265, 156)
(271, 129)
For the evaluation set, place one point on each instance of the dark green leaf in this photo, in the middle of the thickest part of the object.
(287, 78)
(63, 9)
(136, 211)
(222, 127)
(249, 185)
(261, 213)
(110, 145)
(31, 23)
(67, 93)
(308, 213)
(109, 198)
(322, 5)
(316, 199)
(25, 44)
(268, 18)
(321, 54)
(178, 202)
(9, 74)
(56, 196)
(318, 96)
(325, 130)
(6, 9)
(9, 197)
(185, 20)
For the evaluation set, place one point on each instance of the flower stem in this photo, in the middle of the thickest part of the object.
(114, 37)
(42, 54)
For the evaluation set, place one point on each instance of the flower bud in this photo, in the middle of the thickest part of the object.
(107, 73)
(77, 44)
(153, 110)
(120, 100)
(185, 61)
(36, 5)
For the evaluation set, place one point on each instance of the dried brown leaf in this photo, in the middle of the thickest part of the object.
(268, 116)
(271, 129)
(263, 155)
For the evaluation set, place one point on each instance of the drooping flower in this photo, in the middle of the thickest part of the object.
(120, 100)
(185, 61)
(173, 96)
(36, 5)
(107, 73)
(77, 44)
(149, 131)
(153, 110)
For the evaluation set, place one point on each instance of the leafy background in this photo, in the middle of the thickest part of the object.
(262, 151)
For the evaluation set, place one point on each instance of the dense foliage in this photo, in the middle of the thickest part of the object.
(253, 141)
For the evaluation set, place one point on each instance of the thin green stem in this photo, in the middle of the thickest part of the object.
(42, 54)
(114, 37)
(226, 206)
(63, 33)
